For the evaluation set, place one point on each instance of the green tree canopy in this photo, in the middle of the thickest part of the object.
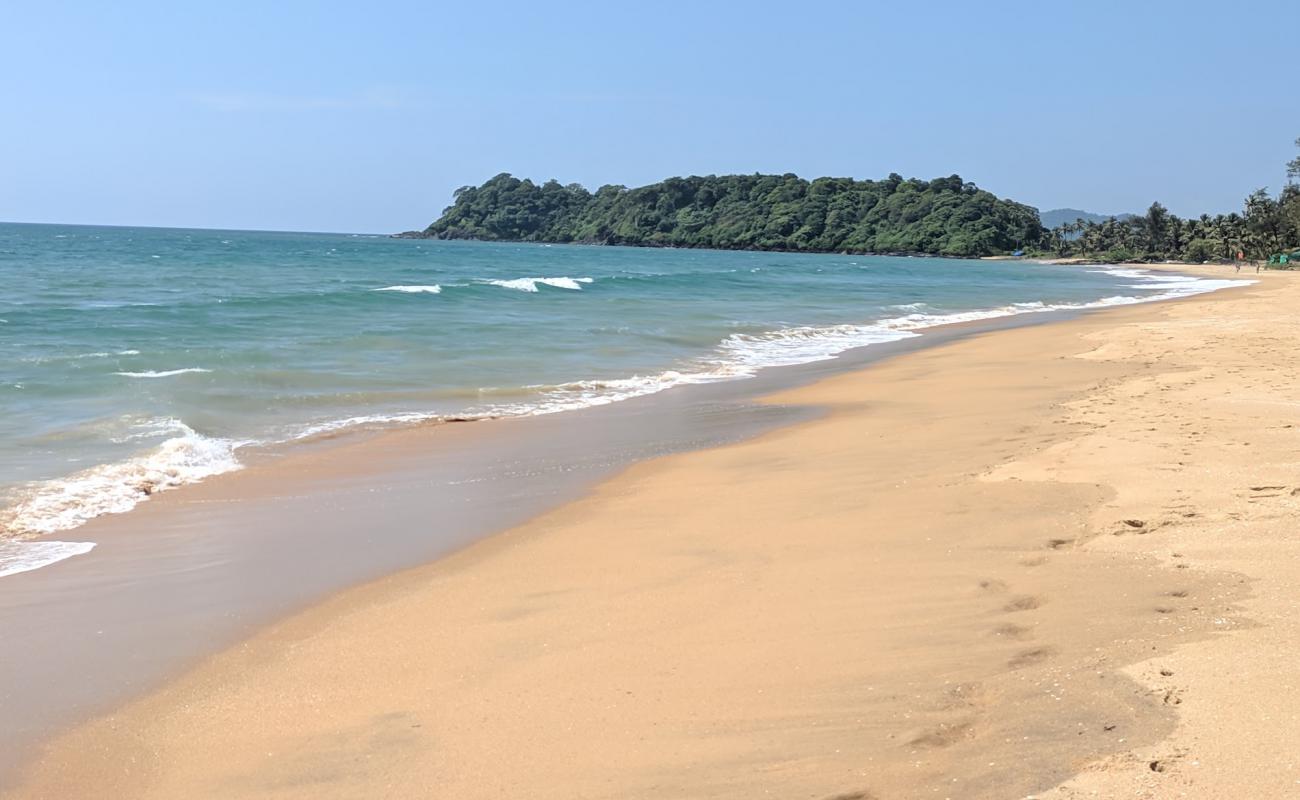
(1268, 225)
(945, 216)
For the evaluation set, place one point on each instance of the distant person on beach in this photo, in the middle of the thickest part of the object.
(1237, 263)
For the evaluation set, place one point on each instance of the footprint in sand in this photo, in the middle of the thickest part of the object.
(1013, 631)
(946, 735)
(1024, 602)
(1028, 658)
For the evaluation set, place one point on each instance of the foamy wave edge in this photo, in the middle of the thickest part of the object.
(61, 504)
(19, 556)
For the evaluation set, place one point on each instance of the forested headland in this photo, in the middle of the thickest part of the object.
(945, 216)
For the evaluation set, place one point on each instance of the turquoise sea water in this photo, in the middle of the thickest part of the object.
(139, 359)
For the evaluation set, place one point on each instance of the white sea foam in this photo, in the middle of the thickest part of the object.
(163, 374)
(19, 556)
(65, 503)
(1171, 285)
(531, 284)
(744, 354)
(430, 289)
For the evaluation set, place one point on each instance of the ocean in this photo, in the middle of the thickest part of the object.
(137, 359)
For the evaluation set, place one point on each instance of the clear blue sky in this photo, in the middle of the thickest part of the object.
(365, 116)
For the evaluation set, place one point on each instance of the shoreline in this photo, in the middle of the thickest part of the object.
(959, 719)
(121, 495)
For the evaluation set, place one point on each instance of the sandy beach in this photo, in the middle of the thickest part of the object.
(1054, 561)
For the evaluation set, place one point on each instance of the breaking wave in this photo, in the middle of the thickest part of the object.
(430, 289)
(531, 284)
(161, 374)
(64, 503)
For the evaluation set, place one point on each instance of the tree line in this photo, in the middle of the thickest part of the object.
(1267, 226)
(946, 216)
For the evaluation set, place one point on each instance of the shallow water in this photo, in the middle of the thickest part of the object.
(141, 359)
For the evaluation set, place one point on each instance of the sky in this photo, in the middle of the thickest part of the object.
(366, 117)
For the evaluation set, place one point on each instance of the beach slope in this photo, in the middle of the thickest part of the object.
(1054, 560)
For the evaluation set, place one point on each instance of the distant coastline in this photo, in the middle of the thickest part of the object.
(778, 213)
(422, 235)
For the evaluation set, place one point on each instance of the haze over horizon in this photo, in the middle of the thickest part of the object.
(302, 117)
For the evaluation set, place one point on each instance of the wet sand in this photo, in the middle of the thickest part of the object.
(1054, 555)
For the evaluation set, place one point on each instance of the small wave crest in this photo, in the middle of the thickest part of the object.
(161, 374)
(531, 284)
(65, 503)
(575, 395)
(334, 426)
(432, 288)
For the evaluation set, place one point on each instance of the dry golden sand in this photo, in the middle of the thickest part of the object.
(1059, 554)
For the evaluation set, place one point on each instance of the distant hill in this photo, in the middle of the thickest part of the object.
(945, 216)
(1060, 216)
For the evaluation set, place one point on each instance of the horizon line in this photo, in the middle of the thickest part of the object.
(193, 228)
